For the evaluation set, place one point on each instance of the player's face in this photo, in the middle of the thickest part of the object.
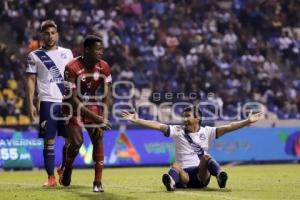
(96, 51)
(189, 119)
(50, 37)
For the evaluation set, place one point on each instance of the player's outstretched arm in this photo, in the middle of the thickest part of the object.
(252, 118)
(133, 117)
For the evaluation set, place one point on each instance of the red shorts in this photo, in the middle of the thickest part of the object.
(77, 120)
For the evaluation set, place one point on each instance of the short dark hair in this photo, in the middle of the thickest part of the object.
(196, 111)
(90, 40)
(48, 23)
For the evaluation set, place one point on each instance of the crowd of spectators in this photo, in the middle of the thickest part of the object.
(239, 51)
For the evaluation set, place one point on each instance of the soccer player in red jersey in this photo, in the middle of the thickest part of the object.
(84, 75)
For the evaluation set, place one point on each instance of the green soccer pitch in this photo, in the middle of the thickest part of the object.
(245, 182)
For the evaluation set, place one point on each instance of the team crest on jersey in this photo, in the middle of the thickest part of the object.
(96, 76)
(83, 78)
(177, 128)
(202, 136)
(63, 55)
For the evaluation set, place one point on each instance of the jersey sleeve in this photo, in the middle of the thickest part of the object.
(174, 130)
(106, 71)
(70, 55)
(211, 133)
(31, 67)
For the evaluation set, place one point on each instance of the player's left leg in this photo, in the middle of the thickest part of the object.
(76, 139)
(49, 158)
(48, 129)
(209, 166)
(96, 136)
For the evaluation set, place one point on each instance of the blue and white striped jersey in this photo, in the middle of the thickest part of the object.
(49, 66)
(187, 155)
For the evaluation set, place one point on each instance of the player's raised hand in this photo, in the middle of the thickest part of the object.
(130, 116)
(255, 117)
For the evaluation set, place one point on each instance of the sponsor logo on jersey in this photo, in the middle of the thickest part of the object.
(63, 55)
(54, 71)
(202, 136)
(89, 85)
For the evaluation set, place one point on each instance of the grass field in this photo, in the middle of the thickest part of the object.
(245, 182)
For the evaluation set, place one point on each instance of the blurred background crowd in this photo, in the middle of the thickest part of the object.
(226, 52)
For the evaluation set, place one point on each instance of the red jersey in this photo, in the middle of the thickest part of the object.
(87, 81)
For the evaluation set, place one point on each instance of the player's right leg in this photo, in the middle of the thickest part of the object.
(175, 176)
(74, 133)
(48, 129)
(60, 169)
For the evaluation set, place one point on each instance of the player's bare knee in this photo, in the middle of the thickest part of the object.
(176, 166)
(48, 142)
(205, 158)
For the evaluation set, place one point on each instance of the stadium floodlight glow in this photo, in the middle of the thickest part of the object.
(88, 79)
(126, 83)
(61, 104)
(99, 104)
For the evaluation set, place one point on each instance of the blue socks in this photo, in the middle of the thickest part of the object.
(213, 167)
(174, 174)
(49, 159)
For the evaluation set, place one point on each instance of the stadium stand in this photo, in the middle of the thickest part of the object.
(239, 50)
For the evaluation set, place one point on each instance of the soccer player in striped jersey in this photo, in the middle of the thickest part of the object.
(46, 66)
(193, 165)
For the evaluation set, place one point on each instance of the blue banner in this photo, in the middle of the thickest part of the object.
(258, 144)
(135, 147)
